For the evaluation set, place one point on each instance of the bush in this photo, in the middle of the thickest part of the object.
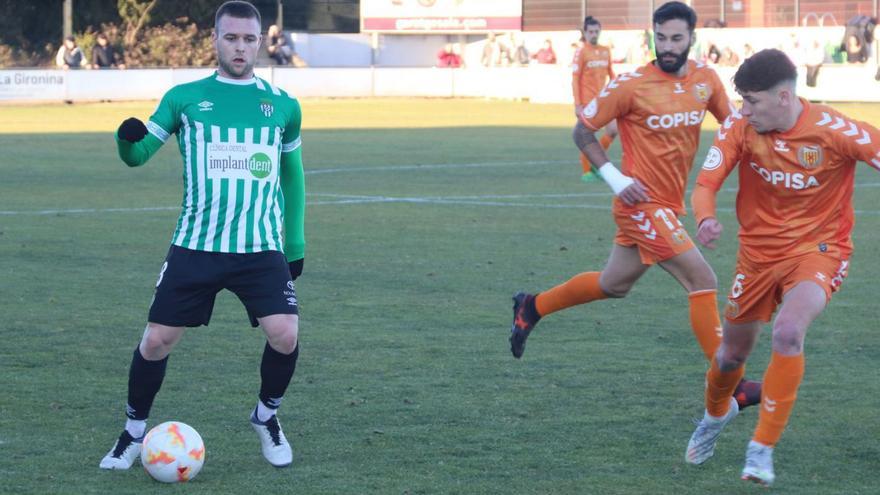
(178, 44)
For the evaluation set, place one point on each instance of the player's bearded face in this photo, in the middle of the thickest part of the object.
(237, 41)
(672, 44)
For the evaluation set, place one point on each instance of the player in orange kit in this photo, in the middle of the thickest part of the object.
(797, 165)
(659, 109)
(591, 69)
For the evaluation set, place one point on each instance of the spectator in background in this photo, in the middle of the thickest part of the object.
(729, 58)
(69, 55)
(103, 55)
(748, 51)
(277, 46)
(545, 55)
(814, 59)
(713, 55)
(521, 54)
(491, 56)
(447, 57)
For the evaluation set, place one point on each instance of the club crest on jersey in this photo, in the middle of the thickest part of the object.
(266, 107)
(702, 92)
(810, 156)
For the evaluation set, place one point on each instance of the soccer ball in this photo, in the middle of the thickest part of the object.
(173, 452)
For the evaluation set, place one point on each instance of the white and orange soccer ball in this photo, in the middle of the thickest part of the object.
(173, 452)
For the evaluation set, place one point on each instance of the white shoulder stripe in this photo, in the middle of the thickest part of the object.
(291, 146)
(263, 84)
(260, 83)
(156, 130)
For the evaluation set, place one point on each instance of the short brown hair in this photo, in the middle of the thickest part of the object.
(764, 70)
(239, 9)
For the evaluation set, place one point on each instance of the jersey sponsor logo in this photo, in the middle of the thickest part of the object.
(678, 119)
(810, 156)
(714, 158)
(266, 107)
(206, 106)
(591, 109)
(592, 64)
(702, 92)
(788, 180)
(241, 161)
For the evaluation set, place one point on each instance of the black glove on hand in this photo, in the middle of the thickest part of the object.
(132, 130)
(296, 268)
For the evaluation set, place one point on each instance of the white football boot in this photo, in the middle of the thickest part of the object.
(702, 443)
(124, 452)
(276, 450)
(759, 464)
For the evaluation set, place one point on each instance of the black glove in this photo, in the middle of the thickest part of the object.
(132, 130)
(296, 268)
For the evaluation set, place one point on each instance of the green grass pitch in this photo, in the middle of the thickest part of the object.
(424, 217)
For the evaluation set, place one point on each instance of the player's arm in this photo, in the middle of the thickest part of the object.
(577, 71)
(629, 190)
(721, 159)
(612, 102)
(136, 142)
(293, 187)
(719, 103)
(862, 145)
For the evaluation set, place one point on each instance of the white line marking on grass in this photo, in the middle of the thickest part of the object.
(433, 166)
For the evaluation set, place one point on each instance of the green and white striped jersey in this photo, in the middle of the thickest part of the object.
(231, 134)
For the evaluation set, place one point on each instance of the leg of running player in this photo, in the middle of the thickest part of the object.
(623, 269)
(698, 279)
(722, 379)
(276, 370)
(696, 276)
(800, 306)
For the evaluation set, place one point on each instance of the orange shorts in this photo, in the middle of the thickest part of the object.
(653, 228)
(758, 287)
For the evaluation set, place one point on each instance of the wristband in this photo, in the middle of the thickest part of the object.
(616, 180)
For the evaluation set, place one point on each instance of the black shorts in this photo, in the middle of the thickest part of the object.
(190, 280)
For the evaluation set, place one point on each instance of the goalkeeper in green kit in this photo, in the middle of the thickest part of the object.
(240, 226)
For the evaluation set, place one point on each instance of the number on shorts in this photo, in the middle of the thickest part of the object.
(737, 288)
(162, 273)
(664, 214)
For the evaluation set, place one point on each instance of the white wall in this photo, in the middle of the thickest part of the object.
(542, 84)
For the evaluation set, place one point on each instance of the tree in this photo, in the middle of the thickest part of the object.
(135, 14)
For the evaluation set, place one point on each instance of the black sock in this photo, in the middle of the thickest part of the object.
(144, 380)
(276, 370)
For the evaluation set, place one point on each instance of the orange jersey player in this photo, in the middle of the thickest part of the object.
(796, 165)
(659, 109)
(591, 69)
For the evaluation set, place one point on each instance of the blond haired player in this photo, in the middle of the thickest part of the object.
(796, 171)
(659, 109)
(591, 69)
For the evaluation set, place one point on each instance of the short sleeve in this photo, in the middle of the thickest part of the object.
(165, 121)
(854, 139)
(291, 140)
(724, 154)
(612, 102)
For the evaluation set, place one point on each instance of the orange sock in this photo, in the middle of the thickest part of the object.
(781, 382)
(585, 163)
(605, 141)
(705, 321)
(580, 289)
(719, 388)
